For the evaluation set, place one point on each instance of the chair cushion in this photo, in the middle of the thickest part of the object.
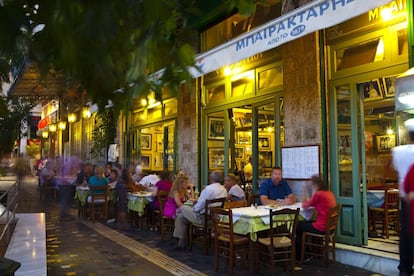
(97, 200)
(277, 241)
(237, 238)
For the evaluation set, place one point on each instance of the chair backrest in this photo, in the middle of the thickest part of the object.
(99, 192)
(391, 199)
(332, 222)
(212, 203)
(222, 222)
(162, 197)
(235, 204)
(283, 223)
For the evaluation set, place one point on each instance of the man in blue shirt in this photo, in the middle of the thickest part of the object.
(276, 190)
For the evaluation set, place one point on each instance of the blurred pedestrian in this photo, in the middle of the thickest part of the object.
(403, 159)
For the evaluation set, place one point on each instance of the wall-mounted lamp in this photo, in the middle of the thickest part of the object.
(71, 117)
(45, 134)
(52, 127)
(86, 112)
(62, 125)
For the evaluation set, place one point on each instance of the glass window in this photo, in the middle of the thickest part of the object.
(216, 93)
(362, 53)
(242, 84)
(215, 132)
(270, 78)
(344, 140)
(402, 42)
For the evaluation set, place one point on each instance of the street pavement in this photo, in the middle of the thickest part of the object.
(79, 247)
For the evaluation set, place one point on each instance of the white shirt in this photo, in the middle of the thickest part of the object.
(149, 180)
(403, 158)
(237, 192)
(211, 191)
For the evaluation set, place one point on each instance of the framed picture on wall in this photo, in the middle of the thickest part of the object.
(389, 86)
(157, 161)
(371, 90)
(264, 142)
(239, 152)
(146, 141)
(385, 142)
(160, 142)
(216, 158)
(146, 161)
(244, 137)
(216, 128)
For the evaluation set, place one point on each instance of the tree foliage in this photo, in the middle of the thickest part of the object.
(105, 46)
(12, 113)
(103, 133)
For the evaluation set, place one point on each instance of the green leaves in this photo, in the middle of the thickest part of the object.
(102, 46)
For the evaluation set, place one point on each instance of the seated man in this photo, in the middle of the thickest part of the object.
(276, 190)
(187, 214)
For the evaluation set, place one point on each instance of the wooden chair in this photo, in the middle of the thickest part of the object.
(166, 223)
(98, 196)
(235, 204)
(279, 246)
(156, 213)
(388, 214)
(320, 244)
(226, 242)
(205, 230)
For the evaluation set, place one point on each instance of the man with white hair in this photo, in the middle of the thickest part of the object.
(403, 158)
(195, 214)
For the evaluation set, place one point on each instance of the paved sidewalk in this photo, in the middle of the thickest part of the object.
(80, 247)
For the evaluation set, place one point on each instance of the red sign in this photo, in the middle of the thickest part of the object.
(43, 123)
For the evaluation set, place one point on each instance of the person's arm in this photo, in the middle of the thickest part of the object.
(199, 206)
(291, 199)
(266, 201)
(177, 199)
(154, 191)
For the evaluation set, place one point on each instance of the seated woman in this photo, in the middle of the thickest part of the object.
(322, 199)
(234, 191)
(164, 184)
(98, 179)
(176, 196)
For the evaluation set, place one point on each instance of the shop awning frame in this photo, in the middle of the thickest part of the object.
(314, 16)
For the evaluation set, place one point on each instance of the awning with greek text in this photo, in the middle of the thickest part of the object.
(314, 16)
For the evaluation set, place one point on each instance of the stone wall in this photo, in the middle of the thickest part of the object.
(187, 133)
(302, 91)
(303, 115)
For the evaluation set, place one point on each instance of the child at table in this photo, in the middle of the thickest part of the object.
(322, 199)
(176, 196)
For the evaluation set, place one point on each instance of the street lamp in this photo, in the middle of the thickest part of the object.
(71, 117)
(86, 113)
(52, 127)
(62, 125)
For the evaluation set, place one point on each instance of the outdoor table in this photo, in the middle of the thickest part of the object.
(251, 220)
(375, 198)
(136, 205)
(138, 200)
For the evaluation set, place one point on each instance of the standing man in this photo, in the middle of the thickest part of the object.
(195, 214)
(276, 190)
(403, 158)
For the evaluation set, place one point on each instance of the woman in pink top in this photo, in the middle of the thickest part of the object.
(322, 199)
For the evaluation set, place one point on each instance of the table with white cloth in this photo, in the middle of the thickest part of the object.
(375, 198)
(137, 201)
(251, 220)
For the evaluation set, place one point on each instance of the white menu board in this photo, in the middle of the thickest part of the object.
(300, 162)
